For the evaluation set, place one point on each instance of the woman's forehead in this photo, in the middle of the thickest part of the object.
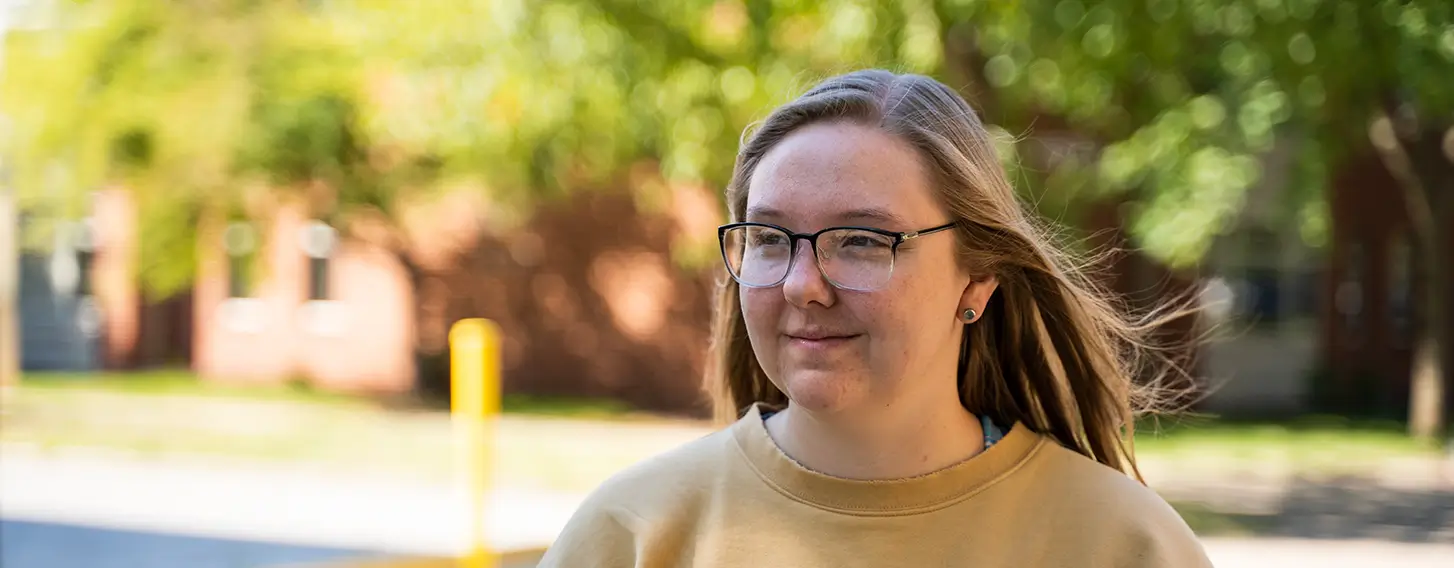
(839, 173)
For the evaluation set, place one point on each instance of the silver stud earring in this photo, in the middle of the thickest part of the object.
(969, 315)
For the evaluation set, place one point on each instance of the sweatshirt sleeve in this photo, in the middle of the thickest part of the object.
(1160, 537)
(597, 536)
(1168, 550)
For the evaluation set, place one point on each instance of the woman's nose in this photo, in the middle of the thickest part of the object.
(805, 284)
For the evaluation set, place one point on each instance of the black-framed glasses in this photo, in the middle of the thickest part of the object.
(759, 255)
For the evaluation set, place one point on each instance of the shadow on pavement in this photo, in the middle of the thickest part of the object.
(25, 544)
(527, 559)
(1346, 508)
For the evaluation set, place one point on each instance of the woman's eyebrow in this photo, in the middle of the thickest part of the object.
(761, 211)
(877, 214)
(873, 214)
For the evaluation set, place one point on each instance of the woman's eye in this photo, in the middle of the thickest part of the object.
(864, 241)
(767, 239)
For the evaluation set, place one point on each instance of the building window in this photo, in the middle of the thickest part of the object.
(240, 242)
(85, 245)
(1262, 277)
(318, 241)
(72, 260)
(1401, 289)
(1305, 299)
(1348, 300)
(1264, 296)
(317, 278)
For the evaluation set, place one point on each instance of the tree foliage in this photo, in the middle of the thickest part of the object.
(1184, 97)
(1172, 102)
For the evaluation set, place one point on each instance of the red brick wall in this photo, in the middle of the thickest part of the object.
(360, 340)
(591, 304)
(587, 295)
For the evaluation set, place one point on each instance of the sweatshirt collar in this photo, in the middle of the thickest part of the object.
(880, 497)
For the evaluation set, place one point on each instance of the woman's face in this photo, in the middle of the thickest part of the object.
(831, 349)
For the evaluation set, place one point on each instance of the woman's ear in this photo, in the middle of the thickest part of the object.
(977, 295)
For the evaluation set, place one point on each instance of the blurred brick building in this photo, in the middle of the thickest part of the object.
(593, 303)
(589, 294)
(1318, 328)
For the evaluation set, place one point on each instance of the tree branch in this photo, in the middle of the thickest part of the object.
(1395, 158)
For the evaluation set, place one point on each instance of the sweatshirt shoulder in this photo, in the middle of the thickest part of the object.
(1122, 510)
(1083, 478)
(686, 468)
(656, 486)
(609, 526)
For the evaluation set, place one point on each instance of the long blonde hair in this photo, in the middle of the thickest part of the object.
(1053, 350)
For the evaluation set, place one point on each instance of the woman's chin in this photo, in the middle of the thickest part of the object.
(822, 391)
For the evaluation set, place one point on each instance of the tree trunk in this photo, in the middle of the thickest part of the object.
(9, 289)
(1427, 395)
(1414, 155)
(1429, 385)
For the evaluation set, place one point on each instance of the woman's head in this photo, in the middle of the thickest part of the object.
(866, 315)
(876, 315)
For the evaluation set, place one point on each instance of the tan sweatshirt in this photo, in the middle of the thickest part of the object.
(734, 500)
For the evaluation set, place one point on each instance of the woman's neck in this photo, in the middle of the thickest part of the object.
(896, 441)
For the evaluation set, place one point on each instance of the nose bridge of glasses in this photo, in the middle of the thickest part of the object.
(811, 239)
(811, 263)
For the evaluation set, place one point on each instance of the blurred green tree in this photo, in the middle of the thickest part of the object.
(1178, 99)
(190, 106)
(202, 110)
(1167, 103)
(199, 109)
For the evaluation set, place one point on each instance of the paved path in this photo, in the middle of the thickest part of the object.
(1281, 553)
(220, 506)
(29, 544)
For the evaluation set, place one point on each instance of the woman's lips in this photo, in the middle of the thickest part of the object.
(820, 343)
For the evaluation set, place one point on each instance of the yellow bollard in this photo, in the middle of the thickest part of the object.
(474, 347)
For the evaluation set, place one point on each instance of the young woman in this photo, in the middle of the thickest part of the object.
(917, 376)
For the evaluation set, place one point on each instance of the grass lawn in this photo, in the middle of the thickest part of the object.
(185, 383)
(563, 444)
(551, 443)
(1207, 521)
(1312, 443)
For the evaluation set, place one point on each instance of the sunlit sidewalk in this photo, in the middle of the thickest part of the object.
(377, 517)
(1283, 552)
(256, 502)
